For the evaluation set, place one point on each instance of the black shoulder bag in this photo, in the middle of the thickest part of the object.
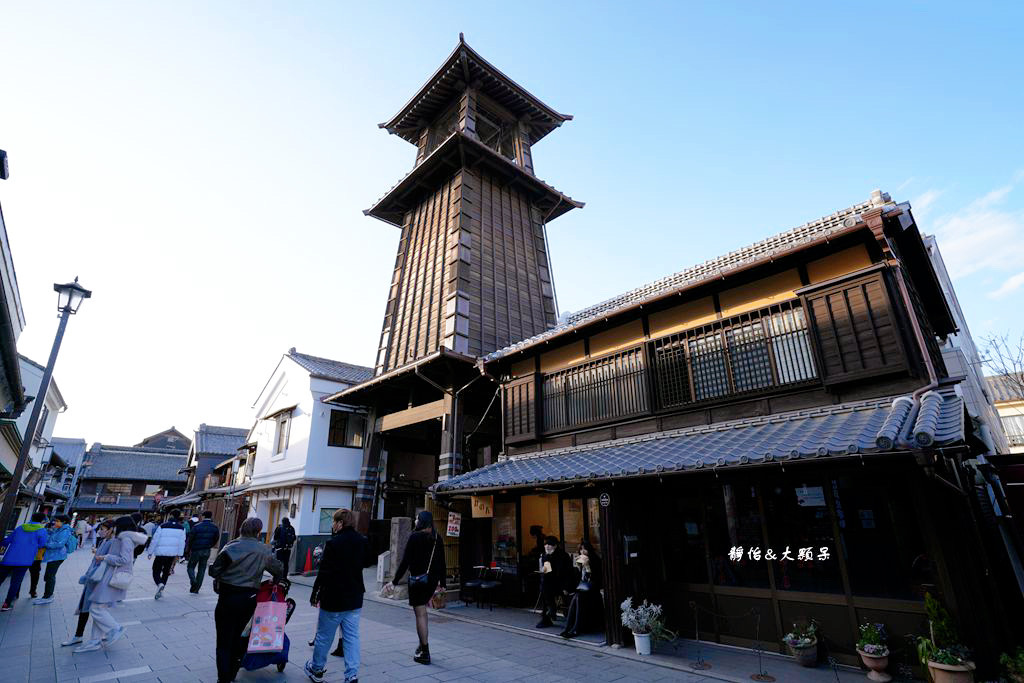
(424, 578)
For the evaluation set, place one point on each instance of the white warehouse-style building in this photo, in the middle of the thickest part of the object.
(308, 453)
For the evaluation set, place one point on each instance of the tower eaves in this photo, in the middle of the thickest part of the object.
(463, 67)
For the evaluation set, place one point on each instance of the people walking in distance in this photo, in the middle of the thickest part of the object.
(237, 573)
(90, 531)
(111, 584)
(284, 539)
(81, 528)
(338, 592)
(201, 538)
(150, 528)
(19, 552)
(424, 559)
(137, 519)
(105, 536)
(59, 543)
(168, 543)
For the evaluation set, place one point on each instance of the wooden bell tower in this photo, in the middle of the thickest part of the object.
(472, 271)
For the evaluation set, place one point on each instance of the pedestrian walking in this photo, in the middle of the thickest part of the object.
(90, 532)
(284, 539)
(237, 573)
(424, 559)
(104, 532)
(137, 520)
(81, 527)
(60, 542)
(338, 592)
(201, 539)
(19, 551)
(168, 543)
(114, 575)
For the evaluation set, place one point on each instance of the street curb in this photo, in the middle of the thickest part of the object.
(661, 661)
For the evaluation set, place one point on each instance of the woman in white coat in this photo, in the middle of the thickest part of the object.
(117, 559)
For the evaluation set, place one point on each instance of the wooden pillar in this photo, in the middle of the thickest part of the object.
(614, 575)
(362, 505)
(450, 462)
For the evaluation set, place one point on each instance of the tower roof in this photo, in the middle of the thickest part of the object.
(457, 149)
(463, 67)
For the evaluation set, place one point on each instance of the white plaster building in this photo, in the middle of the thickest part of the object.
(42, 471)
(308, 453)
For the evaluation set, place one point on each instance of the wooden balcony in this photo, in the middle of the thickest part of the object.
(757, 352)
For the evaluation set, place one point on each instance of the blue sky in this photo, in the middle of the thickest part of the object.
(203, 166)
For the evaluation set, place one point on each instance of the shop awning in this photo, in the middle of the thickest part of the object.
(183, 499)
(878, 426)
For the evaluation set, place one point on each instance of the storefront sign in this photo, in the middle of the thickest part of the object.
(605, 500)
(482, 506)
(454, 524)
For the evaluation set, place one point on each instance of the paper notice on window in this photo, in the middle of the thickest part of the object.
(810, 496)
(454, 524)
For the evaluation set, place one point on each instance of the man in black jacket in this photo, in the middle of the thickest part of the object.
(201, 538)
(338, 591)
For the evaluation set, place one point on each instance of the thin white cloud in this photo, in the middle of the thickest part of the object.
(1010, 285)
(905, 183)
(985, 236)
(923, 202)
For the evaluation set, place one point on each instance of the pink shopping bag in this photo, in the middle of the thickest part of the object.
(267, 633)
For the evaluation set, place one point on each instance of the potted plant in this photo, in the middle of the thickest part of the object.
(947, 659)
(873, 651)
(1014, 666)
(647, 624)
(803, 643)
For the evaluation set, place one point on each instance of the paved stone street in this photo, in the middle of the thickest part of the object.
(172, 640)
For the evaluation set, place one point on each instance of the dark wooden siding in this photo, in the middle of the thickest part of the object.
(520, 410)
(471, 273)
(855, 329)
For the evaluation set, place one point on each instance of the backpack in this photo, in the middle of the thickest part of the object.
(71, 544)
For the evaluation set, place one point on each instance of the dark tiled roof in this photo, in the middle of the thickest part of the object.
(715, 268)
(69, 450)
(801, 435)
(325, 368)
(183, 499)
(213, 440)
(133, 463)
(465, 65)
(1006, 387)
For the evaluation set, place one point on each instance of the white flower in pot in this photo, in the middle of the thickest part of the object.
(647, 624)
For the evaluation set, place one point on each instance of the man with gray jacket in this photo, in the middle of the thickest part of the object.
(237, 573)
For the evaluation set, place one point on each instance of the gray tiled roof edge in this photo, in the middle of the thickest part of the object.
(711, 269)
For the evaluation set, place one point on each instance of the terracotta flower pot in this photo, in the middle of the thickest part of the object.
(951, 673)
(806, 655)
(877, 665)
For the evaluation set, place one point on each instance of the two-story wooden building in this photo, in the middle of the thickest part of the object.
(786, 396)
(770, 435)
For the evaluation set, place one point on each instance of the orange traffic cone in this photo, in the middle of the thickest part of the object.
(309, 561)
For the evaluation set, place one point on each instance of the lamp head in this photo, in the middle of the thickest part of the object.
(70, 296)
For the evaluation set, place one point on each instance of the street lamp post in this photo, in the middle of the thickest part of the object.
(69, 298)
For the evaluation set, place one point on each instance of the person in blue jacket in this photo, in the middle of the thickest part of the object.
(60, 542)
(19, 551)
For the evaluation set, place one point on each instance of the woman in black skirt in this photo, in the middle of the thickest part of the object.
(424, 559)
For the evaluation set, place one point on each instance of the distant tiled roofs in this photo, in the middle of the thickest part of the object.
(134, 463)
(69, 450)
(1006, 387)
(326, 368)
(715, 268)
(213, 440)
